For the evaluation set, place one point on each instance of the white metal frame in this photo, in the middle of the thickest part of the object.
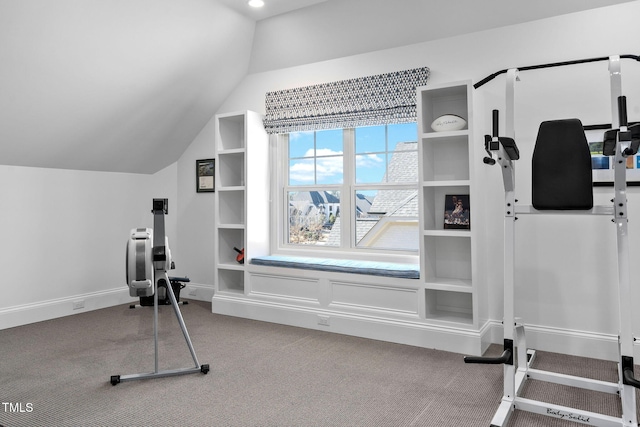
(517, 371)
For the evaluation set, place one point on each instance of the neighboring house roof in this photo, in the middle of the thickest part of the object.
(316, 197)
(396, 204)
(401, 205)
(403, 167)
(363, 205)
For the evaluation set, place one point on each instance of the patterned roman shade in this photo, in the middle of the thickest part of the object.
(365, 101)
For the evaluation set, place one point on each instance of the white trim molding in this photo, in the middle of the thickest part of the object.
(45, 310)
(397, 330)
(567, 341)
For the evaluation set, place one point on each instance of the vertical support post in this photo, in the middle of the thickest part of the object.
(159, 258)
(625, 312)
(155, 322)
(508, 175)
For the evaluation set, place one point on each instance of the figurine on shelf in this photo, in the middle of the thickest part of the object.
(240, 256)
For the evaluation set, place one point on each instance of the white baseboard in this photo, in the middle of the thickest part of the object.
(197, 291)
(410, 332)
(448, 338)
(45, 310)
(442, 337)
(567, 341)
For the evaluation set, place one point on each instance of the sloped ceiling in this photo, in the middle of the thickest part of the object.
(126, 85)
(114, 85)
(340, 28)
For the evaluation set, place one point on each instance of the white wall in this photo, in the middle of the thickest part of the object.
(357, 26)
(64, 234)
(196, 218)
(584, 258)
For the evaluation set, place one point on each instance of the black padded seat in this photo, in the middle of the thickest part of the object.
(561, 167)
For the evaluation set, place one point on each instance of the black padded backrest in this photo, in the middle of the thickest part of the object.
(561, 167)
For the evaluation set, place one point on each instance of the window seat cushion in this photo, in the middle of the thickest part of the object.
(387, 269)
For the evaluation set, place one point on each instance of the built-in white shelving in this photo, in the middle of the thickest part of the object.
(438, 310)
(241, 197)
(446, 255)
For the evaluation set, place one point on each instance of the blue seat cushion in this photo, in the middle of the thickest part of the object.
(387, 269)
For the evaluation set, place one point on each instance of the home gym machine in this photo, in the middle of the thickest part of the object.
(564, 188)
(147, 261)
(177, 284)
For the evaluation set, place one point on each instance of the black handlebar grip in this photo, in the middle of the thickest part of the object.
(495, 123)
(622, 110)
(506, 357)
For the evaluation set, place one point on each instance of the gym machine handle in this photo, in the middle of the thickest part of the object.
(626, 134)
(622, 111)
(505, 358)
(627, 372)
(493, 143)
(488, 160)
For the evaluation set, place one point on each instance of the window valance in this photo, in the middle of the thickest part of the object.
(365, 101)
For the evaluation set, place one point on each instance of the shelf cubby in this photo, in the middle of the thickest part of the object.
(231, 206)
(229, 238)
(231, 169)
(445, 158)
(449, 306)
(231, 132)
(440, 101)
(447, 258)
(433, 204)
(230, 280)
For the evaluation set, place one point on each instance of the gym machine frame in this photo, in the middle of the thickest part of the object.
(160, 254)
(517, 371)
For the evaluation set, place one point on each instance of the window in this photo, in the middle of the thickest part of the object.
(352, 188)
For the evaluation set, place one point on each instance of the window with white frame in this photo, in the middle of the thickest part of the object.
(351, 188)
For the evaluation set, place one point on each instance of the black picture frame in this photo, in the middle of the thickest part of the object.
(602, 166)
(206, 175)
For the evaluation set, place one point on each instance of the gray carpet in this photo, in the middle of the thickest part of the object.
(261, 374)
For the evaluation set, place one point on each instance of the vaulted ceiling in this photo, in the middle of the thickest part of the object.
(126, 85)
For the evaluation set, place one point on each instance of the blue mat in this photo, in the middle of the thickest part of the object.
(387, 269)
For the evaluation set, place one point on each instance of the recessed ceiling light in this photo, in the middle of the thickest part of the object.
(256, 3)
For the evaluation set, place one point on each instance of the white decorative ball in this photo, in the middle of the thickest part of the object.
(448, 122)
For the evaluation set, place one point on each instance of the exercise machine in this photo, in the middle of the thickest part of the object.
(147, 261)
(564, 188)
(177, 284)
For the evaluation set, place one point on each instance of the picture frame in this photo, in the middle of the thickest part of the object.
(457, 212)
(205, 175)
(601, 165)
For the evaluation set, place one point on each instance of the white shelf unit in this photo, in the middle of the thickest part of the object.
(241, 196)
(446, 255)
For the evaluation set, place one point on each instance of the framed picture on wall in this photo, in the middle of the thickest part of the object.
(205, 175)
(601, 165)
(457, 214)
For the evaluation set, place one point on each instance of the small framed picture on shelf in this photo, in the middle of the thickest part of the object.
(205, 175)
(457, 213)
